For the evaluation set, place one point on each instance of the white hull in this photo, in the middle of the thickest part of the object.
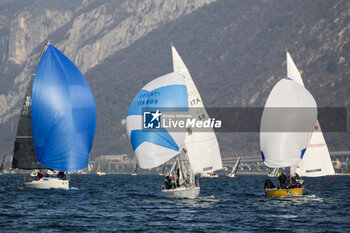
(210, 176)
(231, 175)
(47, 183)
(182, 193)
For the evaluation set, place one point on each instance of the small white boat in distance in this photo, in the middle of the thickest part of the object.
(99, 172)
(234, 169)
(134, 173)
(209, 175)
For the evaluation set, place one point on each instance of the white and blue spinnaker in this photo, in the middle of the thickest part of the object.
(155, 147)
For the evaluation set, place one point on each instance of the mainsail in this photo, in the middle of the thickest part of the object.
(287, 123)
(24, 156)
(316, 161)
(155, 147)
(202, 148)
(63, 113)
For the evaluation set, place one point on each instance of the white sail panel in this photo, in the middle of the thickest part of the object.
(292, 70)
(203, 148)
(316, 161)
(286, 146)
(153, 148)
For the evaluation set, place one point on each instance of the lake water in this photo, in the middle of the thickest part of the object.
(117, 203)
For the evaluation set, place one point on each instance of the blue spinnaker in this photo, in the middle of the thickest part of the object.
(63, 113)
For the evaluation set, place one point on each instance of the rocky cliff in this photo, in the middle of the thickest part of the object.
(234, 50)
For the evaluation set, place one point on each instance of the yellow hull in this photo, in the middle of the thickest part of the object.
(284, 192)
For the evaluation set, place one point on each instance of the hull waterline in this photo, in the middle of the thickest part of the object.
(296, 192)
(47, 183)
(182, 193)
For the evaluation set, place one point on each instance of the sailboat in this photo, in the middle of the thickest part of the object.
(134, 173)
(201, 148)
(195, 152)
(152, 144)
(98, 171)
(316, 161)
(234, 169)
(57, 122)
(2, 165)
(209, 175)
(286, 127)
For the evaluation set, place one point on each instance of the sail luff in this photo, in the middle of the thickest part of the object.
(202, 148)
(24, 156)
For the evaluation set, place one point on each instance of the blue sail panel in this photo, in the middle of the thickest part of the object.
(152, 148)
(162, 97)
(63, 113)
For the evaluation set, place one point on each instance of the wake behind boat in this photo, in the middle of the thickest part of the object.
(58, 109)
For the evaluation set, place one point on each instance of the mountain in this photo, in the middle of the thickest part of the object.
(235, 51)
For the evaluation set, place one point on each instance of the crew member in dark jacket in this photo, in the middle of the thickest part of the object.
(283, 180)
(268, 184)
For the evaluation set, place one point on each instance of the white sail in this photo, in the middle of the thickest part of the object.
(292, 70)
(316, 161)
(287, 124)
(235, 168)
(203, 148)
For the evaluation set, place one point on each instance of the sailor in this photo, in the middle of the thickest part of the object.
(295, 181)
(167, 182)
(268, 184)
(28, 179)
(178, 177)
(173, 181)
(60, 175)
(283, 180)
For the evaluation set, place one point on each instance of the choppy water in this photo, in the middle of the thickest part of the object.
(134, 203)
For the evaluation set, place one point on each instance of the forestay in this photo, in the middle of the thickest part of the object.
(155, 147)
(63, 113)
(291, 112)
(202, 147)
